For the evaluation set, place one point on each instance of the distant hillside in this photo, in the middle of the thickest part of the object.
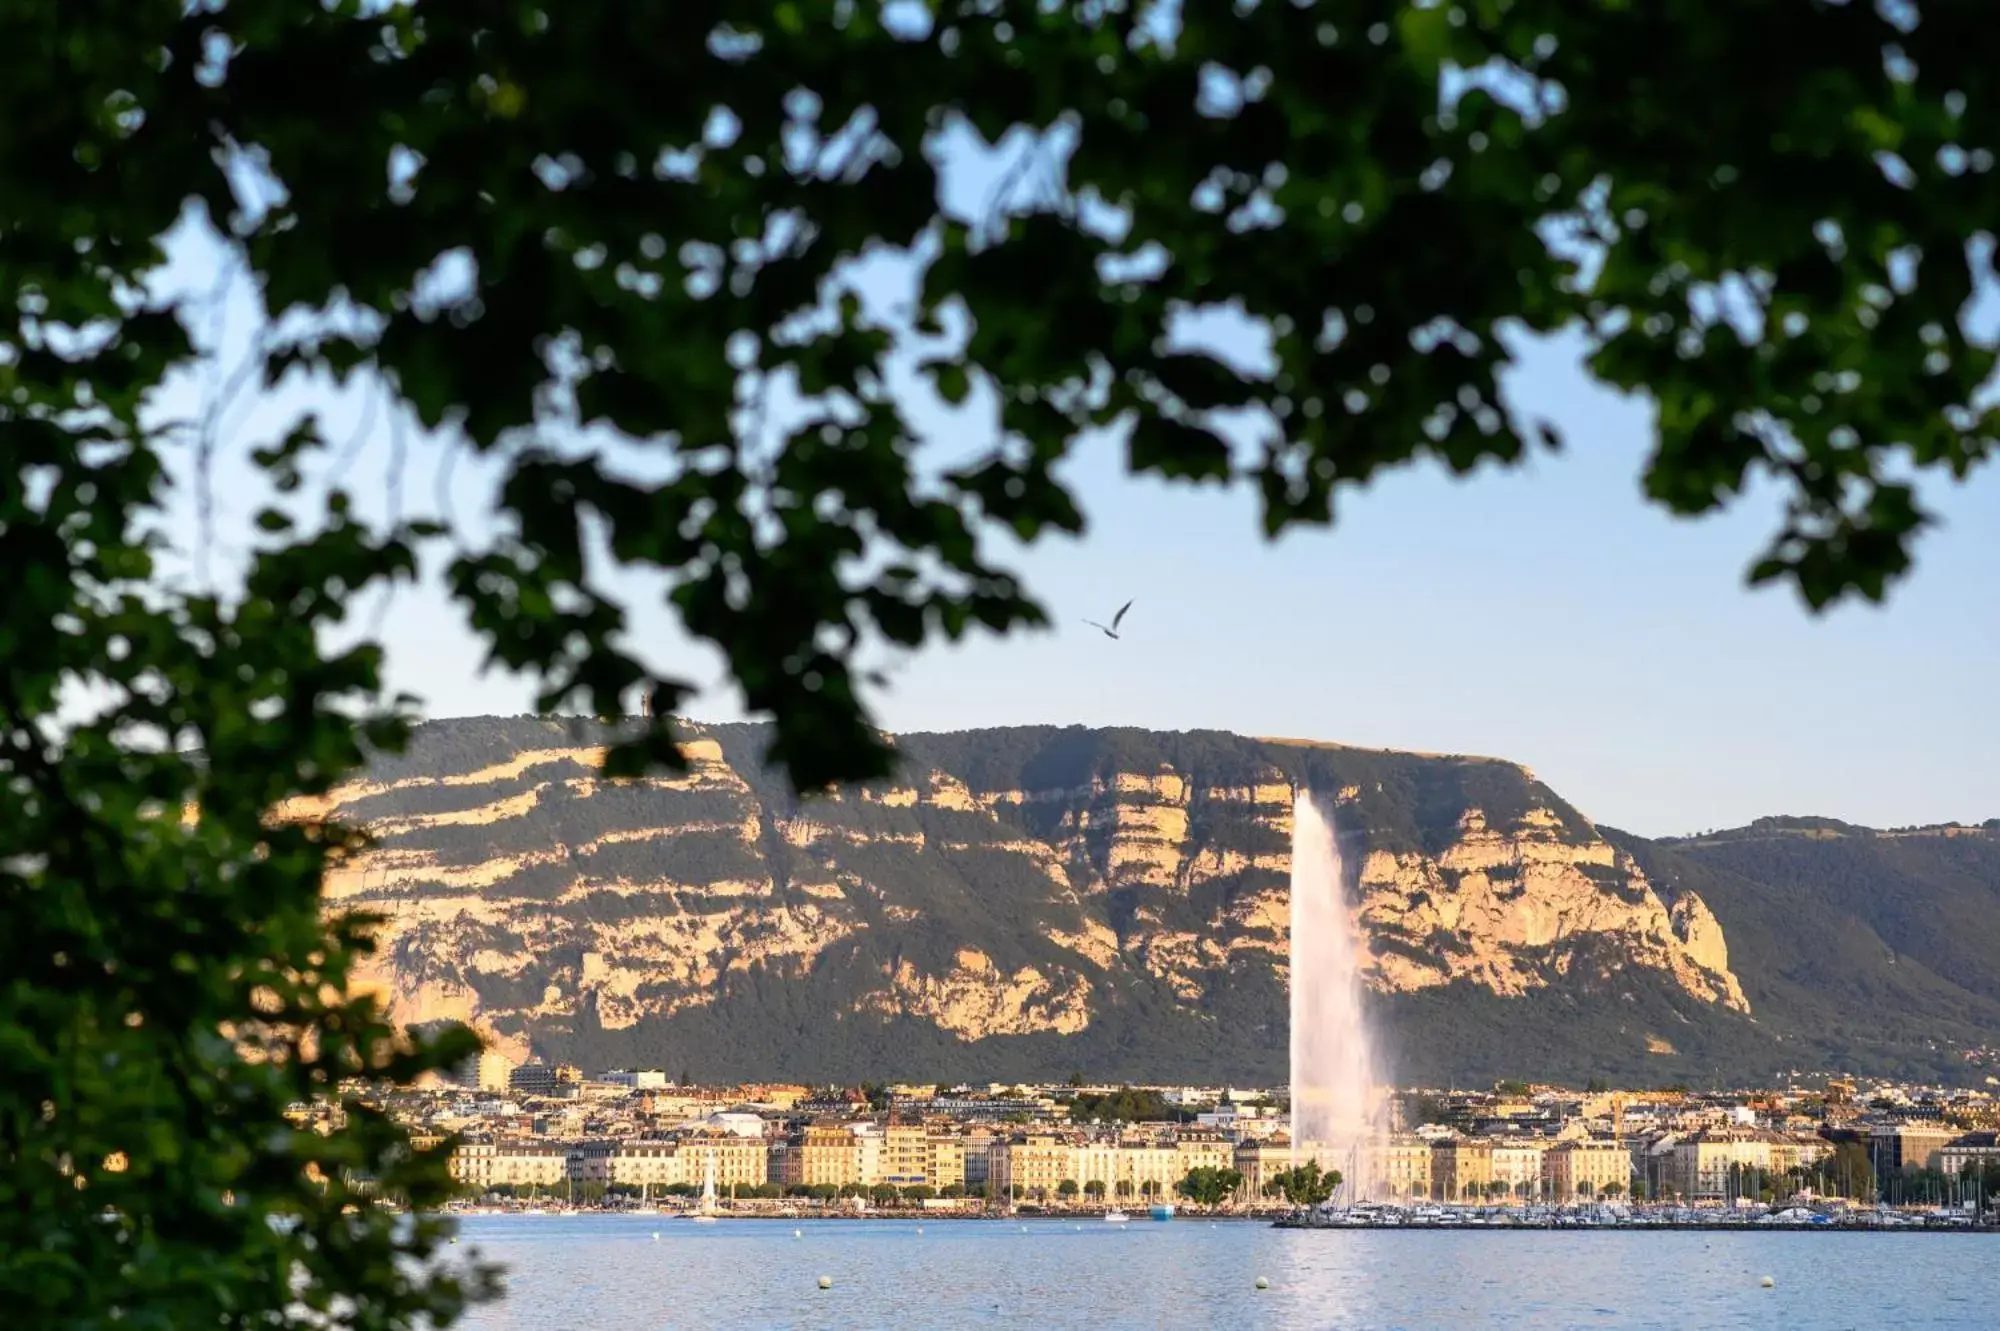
(1031, 901)
(1876, 949)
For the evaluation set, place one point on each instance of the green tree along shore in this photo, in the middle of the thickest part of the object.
(1208, 1186)
(1761, 219)
(1304, 1185)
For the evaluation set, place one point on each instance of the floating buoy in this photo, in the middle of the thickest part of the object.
(454, 1238)
(920, 1229)
(1263, 1283)
(826, 1282)
(1767, 1282)
(798, 1233)
(656, 1236)
(1024, 1229)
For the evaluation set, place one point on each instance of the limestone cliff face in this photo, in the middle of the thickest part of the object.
(1033, 884)
(975, 999)
(1507, 909)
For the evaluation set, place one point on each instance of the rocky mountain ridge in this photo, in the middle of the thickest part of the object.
(1021, 902)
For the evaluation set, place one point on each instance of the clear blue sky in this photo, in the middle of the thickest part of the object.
(1546, 614)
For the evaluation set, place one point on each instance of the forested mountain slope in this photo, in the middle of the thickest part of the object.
(1031, 901)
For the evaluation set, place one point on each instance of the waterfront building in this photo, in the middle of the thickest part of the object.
(1909, 1146)
(1796, 1150)
(1586, 1168)
(636, 1163)
(823, 1155)
(1028, 1165)
(648, 1164)
(911, 1156)
(903, 1160)
(1517, 1168)
(1259, 1160)
(513, 1164)
(1461, 1169)
(1972, 1150)
(975, 1147)
(737, 1161)
(1722, 1164)
(1653, 1164)
(1133, 1167)
(1202, 1150)
(944, 1165)
(472, 1162)
(1399, 1168)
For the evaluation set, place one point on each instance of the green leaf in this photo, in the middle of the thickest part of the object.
(1177, 450)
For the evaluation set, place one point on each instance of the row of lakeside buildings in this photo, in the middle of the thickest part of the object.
(549, 1129)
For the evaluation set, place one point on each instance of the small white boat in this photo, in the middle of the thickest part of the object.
(1115, 1217)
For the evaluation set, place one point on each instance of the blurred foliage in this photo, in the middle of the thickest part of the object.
(524, 218)
(172, 990)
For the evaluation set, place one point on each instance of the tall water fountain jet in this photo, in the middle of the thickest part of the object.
(1337, 1109)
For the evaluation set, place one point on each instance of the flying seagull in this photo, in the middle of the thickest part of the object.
(1116, 620)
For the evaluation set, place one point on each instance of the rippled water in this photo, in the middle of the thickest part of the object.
(608, 1273)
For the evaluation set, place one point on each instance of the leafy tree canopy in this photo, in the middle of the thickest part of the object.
(1387, 192)
(1206, 1185)
(1126, 1104)
(1303, 1185)
(520, 219)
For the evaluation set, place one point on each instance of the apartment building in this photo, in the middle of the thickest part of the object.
(1260, 1161)
(1586, 1168)
(1461, 1169)
(1203, 1150)
(1517, 1168)
(729, 1160)
(1028, 1165)
(910, 1156)
(822, 1155)
(1717, 1164)
(1135, 1167)
(487, 1164)
(1399, 1168)
(1972, 1150)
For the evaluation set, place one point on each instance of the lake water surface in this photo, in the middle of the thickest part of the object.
(609, 1273)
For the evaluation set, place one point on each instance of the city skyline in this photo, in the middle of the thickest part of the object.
(620, 1137)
